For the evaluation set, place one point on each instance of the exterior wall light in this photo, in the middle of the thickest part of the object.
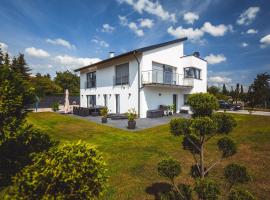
(159, 94)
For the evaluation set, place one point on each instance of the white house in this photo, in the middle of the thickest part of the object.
(143, 79)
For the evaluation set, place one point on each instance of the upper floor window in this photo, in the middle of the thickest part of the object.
(192, 72)
(122, 74)
(91, 80)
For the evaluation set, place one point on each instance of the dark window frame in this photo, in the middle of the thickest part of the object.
(91, 100)
(119, 78)
(194, 73)
(91, 79)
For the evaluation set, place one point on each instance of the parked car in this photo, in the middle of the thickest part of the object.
(235, 107)
(224, 105)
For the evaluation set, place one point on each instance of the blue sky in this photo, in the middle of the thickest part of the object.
(234, 36)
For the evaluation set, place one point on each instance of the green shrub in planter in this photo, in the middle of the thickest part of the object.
(55, 106)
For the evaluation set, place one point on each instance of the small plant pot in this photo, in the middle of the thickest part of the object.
(170, 113)
(104, 120)
(131, 124)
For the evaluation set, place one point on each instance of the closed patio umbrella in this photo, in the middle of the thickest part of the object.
(67, 110)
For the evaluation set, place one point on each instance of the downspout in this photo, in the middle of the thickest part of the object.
(139, 84)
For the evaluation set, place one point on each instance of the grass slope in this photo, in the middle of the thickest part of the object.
(132, 156)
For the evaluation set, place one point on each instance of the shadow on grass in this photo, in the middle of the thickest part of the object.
(156, 188)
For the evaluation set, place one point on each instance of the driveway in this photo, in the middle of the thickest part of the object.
(245, 112)
(141, 123)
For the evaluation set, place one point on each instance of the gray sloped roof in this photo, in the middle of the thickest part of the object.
(140, 50)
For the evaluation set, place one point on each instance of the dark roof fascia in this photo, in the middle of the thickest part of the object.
(194, 57)
(140, 50)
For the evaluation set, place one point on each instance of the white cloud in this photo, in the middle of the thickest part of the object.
(131, 25)
(192, 34)
(219, 79)
(4, 47)
(123, 20)
(154, 8)
(215, 59)
(38, 53)
(61, 42)
(252, 31)
(265, 41)
(107, 28)
(74, 62)
(190, 17)
(100, 43)
(244, 44)
(216, 31)
(146, 23)
(248, 16)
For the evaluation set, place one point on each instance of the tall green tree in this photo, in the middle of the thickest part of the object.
(16, 95)
(213, 90)
(224, 90)
(1, 57)
(19, 65)
(44, 86)
(237, 92)
(260, 90)
(68, 80)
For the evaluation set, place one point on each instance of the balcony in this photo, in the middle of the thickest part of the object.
(90, 84)
(121, 80)
(165, 78)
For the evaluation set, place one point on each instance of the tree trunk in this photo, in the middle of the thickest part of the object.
(202, 161)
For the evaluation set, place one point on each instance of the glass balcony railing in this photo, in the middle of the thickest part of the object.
(165, 78)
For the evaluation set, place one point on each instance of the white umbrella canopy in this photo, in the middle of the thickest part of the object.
(67, 109)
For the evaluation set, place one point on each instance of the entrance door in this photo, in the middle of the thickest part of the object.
(175, 102)
(117, 103)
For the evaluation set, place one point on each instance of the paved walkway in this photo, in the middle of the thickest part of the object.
(245, 112)
(141, 123)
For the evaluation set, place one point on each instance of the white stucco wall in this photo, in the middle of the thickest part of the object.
(104, 85)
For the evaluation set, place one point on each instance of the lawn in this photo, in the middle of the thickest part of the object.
(132, 156)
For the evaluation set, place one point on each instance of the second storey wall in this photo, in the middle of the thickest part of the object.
(105, 85)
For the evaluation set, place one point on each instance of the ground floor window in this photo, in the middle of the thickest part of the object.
(91, 100)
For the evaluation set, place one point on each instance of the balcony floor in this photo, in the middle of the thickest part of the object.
(166, 85)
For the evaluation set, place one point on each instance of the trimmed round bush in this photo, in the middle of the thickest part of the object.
(225, 122)
(236, 174)
(68, 171)
(169, 168)
(202, 104)
(241, 195)
(202, 126)
(227, 146)
(206, 189)
(180, 126)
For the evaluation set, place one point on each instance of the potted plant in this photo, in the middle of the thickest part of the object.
(55, 106)
(131, 118)
(171, 109)
(104, 113)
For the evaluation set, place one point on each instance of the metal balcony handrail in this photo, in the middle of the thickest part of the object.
(165, 78)
(121, 80)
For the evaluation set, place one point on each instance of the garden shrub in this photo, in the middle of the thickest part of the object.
(236, 174)
(179, 126)
(55, 106)
(169, 168)
(206, 189)
(16, 151)
(227, 146)
(202, 104)
(225, 122)
(67, 171)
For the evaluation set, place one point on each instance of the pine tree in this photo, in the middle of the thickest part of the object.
(242, 90)
(6, 60)
(21, 66)
(237, 92)
(1, 57)
(224, 90)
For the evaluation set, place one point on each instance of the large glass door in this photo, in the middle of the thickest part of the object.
(168, 74)
(91, 101)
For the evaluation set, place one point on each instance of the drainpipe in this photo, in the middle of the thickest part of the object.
(139, 84)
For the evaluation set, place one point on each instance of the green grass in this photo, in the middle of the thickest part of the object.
(132, 156)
